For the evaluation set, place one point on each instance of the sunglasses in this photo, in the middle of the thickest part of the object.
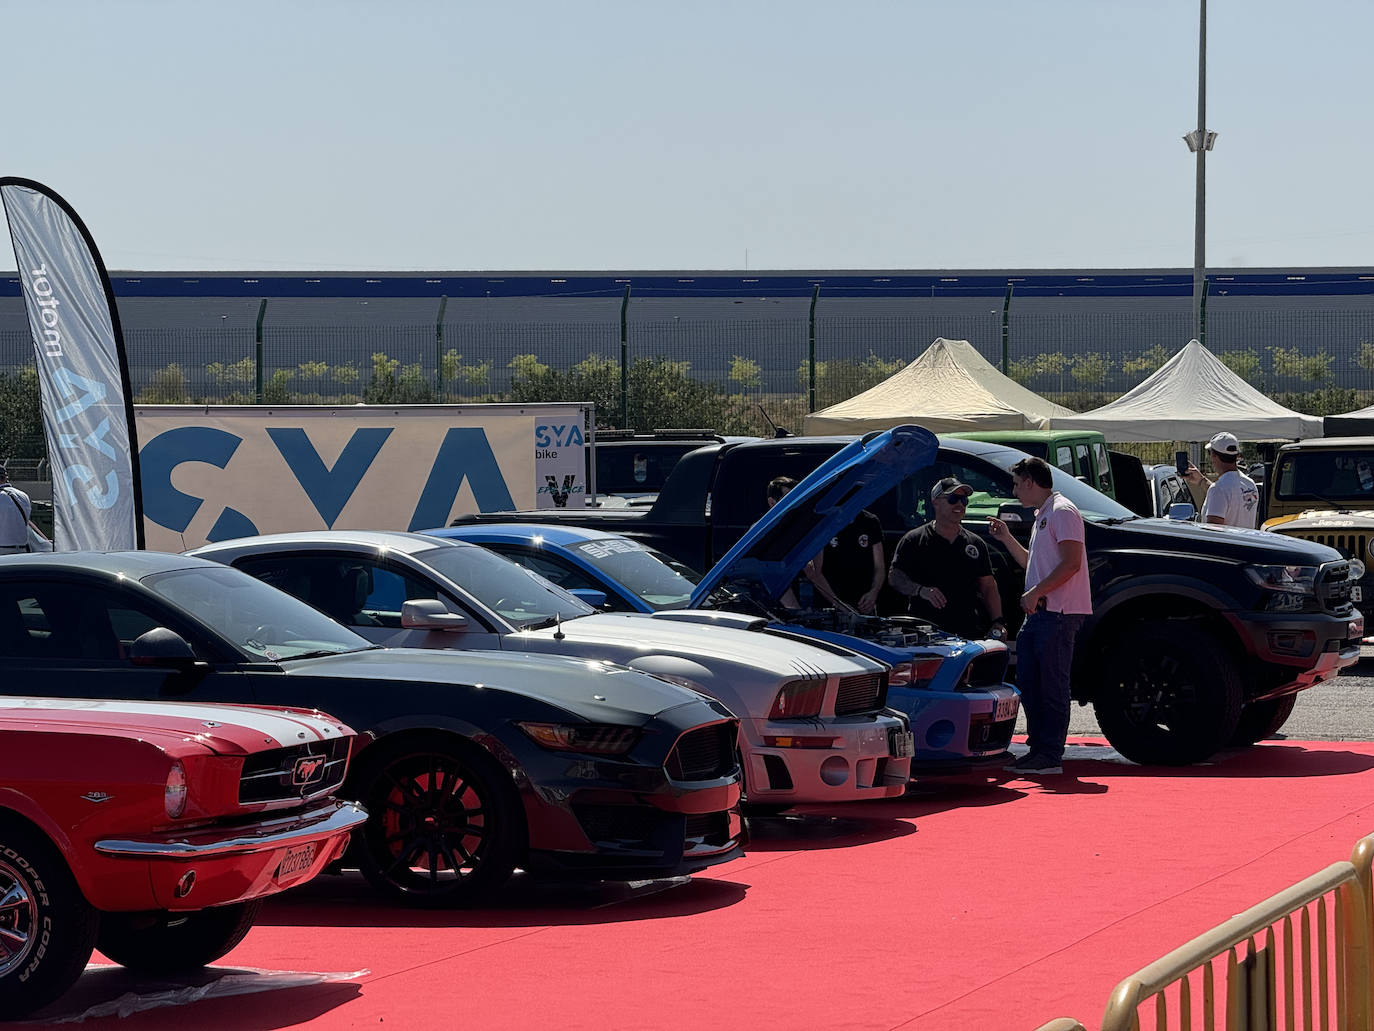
(956, 499)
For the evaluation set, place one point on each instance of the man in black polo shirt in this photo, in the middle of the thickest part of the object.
(945, 571)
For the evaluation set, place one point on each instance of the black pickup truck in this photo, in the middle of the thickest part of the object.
(1201, 636)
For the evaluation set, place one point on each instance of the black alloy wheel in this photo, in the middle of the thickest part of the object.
(47, 928)
(1168, 695)
(444, 823)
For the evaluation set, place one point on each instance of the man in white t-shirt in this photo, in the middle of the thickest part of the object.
(1233, 499)
(1057, 601)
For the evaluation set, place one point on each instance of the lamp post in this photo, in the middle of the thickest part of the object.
(1200, 141)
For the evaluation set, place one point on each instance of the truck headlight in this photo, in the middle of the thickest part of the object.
(591, 738)
(1287, 579)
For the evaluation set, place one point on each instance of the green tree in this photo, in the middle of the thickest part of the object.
(167, 387)
(1365, 359)
(1091, 369)
(1245, 364)
(473, 374)
(1294, 363)
(746, 372)
(1146, 362)
(1049, 365)
(21, 415)
(391, 384)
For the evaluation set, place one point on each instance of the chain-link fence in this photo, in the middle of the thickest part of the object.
(733, 369)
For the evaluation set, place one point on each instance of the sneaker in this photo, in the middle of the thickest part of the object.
(1041, 768)
(1024, 762)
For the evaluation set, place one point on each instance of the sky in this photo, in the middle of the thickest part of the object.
(743, 135)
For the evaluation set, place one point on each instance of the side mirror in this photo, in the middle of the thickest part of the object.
(162, 648)
(430, 614)
(1182, 511)
(596, 599)
(1016, 516)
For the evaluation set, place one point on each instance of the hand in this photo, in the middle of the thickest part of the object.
(933, 596)
(1030, 600)
(868, 604)
(1193, 475)
(998, 530)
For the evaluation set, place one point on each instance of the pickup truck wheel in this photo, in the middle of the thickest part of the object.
(169, 943)
(445, 824)
(1168, 696)
(47, 929)
(1259, 720)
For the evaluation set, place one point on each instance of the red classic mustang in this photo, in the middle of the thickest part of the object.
(153, 829)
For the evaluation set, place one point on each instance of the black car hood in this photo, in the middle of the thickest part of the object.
(598, 691)
(1216, 541)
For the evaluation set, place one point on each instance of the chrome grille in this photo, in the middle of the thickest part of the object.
(862, 693)
(705, 753)
(283, 774)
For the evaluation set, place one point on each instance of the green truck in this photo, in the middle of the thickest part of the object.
(1083, 454)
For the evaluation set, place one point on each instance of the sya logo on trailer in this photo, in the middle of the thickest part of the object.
(560, 463)
(218, 472)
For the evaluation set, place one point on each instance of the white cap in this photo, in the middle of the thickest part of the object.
(1224, 444)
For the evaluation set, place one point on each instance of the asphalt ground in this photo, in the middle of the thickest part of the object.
(1338, 710)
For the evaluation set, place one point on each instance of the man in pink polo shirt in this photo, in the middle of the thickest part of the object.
(1057, 600)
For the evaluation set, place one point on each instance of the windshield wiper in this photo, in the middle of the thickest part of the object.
(320, 653)
(1118, 520)
(544, 624)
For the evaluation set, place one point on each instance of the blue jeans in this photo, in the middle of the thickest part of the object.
(1044, 655)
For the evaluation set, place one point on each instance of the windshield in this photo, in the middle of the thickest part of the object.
(1328, 475)
(989, 474)
(521, 596)
(259, 620)
(659, 581)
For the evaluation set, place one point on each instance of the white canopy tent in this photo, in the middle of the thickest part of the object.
(949, 388)
(1191, 397)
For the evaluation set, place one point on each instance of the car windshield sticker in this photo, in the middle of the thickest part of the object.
(605, 549)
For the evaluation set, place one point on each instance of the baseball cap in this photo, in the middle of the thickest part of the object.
(949, 485)
(1224, 444)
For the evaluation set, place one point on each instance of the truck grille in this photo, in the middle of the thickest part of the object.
(705, 753)
(299, 771)
(1351, 545)
(1333, 587)
(862, 693)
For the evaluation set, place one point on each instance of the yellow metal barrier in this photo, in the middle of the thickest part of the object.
(1298, 959)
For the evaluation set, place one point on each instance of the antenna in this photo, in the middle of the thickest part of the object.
(778, 431)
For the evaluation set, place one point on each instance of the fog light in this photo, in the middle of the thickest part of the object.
(184, 886)
(835, 770)
(940, 734)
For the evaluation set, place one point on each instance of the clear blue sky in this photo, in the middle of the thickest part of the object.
(648, 135)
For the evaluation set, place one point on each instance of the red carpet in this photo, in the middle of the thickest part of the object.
(963, 906)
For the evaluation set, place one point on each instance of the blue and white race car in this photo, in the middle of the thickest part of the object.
(962, 711)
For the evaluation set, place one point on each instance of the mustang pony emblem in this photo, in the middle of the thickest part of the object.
(308, 769)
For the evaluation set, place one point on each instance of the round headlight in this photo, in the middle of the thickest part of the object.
(174, 795)
(1356, 569)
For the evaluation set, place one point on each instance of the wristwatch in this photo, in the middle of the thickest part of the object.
(997, 630)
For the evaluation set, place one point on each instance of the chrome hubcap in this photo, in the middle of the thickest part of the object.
(18, 918)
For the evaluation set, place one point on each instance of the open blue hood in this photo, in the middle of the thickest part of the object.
(765, 561)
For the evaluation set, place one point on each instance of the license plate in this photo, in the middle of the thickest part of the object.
(1007, 708)
(296, 861)
(899, 743)
(1357, 593)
